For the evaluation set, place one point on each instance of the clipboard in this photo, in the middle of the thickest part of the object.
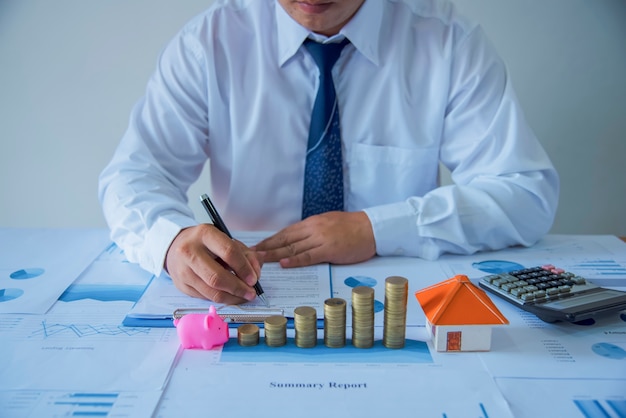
(233, 314)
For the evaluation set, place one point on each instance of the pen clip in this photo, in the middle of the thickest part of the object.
(214, 214)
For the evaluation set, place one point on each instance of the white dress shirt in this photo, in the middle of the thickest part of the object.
(418, 85)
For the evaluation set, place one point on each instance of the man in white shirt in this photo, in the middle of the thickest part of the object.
(417, 85)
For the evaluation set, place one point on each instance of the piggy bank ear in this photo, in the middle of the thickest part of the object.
(208, 321)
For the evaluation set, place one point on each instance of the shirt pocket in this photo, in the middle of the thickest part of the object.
(379, 175)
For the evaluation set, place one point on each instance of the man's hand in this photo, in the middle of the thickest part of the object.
(332, 237)
(204, 262)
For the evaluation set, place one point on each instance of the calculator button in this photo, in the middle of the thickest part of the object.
(518, 291)
(553, 291)
(508, 286)
(564, 289)
(490, 279)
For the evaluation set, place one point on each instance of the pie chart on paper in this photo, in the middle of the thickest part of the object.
(28, 273)
(10, 294)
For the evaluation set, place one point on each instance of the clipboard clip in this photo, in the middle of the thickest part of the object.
(234, 314)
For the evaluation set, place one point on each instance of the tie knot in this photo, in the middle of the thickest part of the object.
(325, 55)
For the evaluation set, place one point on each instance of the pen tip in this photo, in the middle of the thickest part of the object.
(264, 300)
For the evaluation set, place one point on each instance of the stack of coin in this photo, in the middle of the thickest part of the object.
(248, 335)
(335, 322)
(275, 331)
(396, 293)
(305, 323)
(363, 317)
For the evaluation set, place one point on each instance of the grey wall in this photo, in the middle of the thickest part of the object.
(70, 71)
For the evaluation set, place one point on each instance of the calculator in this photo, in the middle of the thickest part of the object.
(554, 294)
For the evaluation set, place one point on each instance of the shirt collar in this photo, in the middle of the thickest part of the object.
(363, 31)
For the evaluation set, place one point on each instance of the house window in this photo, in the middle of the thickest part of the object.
(454, 341)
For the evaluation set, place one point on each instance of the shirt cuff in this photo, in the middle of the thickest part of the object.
(397, 233)
(158, 241)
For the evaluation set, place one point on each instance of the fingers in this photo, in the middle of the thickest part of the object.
(204, 262)
(193, 285)
(235, 256)
(288, 242)
(280, 244)
(334, 237)
(304, 258)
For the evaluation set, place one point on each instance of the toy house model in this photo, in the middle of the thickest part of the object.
(460, 315)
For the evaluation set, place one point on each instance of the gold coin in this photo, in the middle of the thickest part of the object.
(305, 324)
(394, 324)
(335, 322)
(248, 335)
(275, 331)
(363, 317)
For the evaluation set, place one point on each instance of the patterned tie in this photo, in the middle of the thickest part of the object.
(323, 173)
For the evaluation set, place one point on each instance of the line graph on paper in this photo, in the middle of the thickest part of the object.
(86, 328)
(82, 330)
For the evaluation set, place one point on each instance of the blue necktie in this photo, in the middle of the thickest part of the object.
(323, 173)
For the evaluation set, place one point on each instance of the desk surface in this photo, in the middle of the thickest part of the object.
(75, 357)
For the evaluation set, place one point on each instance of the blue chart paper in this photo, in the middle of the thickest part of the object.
(413, 352)
(37, 265)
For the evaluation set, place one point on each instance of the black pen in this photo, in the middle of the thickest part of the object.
(219, 224)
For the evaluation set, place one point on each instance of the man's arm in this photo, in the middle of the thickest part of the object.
(143, 188)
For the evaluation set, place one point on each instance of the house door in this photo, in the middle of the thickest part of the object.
(453, 342)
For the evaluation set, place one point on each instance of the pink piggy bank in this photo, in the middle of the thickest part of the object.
(202, 330)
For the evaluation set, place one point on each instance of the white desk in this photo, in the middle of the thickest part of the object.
(77, 359)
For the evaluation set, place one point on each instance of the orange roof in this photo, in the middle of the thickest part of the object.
(457, 301)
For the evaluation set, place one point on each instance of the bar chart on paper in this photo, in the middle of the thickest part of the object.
(601, 408)
(76, 404)
(603, 272)
(594, 398)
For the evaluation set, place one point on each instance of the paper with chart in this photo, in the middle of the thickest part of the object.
(51, 403)
(37, 265)
(68, 362)
(320, 381)
(593, 349)
(75, 345)
(109, 285)
(599, 258)
(72, 352)
(566, 397)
